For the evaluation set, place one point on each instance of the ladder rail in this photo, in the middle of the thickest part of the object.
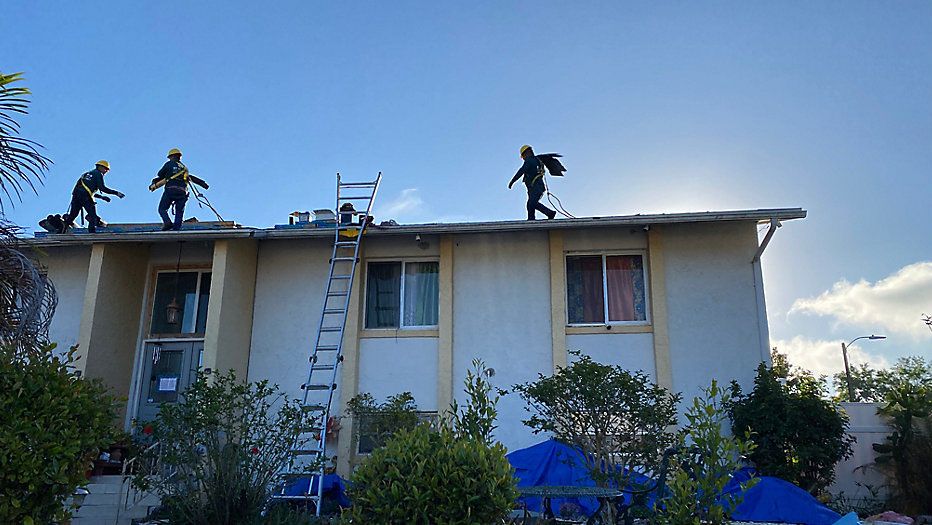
(332, 329)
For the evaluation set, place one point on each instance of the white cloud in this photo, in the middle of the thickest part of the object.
(892, 304)
(824, 357)
(408, 201)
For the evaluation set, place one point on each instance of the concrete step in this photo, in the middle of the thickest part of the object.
(105, 488)
(105, 480)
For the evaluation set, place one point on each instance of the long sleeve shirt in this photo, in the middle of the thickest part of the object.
(171, 169)
(94, 180)
(532, 171)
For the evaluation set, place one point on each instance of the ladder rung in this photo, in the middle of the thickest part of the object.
(327, 348)
(312, 408)
(322, 367)
(337, 294)
(356, 184)
(335, 259)
(355, 198)
(305, 451)
(347, 276)
(296, 475)
(345, 243)
(329, 311)
(331, 329)
(295, 497)
(319, 387)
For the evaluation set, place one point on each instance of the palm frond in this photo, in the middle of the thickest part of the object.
(21, 163)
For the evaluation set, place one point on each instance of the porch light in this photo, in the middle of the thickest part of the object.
(172, 312)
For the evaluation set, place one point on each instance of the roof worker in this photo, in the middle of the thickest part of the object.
(82, 197)
(533, 172)
(175, 177)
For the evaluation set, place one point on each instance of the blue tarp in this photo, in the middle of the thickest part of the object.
(553, 463)
(771, 500)
(775, 500)
(334, 488)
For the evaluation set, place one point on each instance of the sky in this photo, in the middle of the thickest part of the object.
(656, 106)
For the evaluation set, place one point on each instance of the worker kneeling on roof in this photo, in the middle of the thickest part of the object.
(175, 177)
(82, 197)
(533, 172)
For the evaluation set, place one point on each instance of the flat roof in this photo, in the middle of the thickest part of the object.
(208, 231)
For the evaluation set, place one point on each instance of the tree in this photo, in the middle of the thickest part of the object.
(618, 419)
(21, 164)
(54, 425)
(874, 385)
(800, 436)
(226, 448)
(706, 460)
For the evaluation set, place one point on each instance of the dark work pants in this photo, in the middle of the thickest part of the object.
(178, 197)
(81, 200)
(534, 193)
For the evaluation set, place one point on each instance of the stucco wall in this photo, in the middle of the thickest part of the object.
(501, 314)
(632, 351)
(291, 279)
(712, 304)
(851, 476)
(67, 268)
(389, 366)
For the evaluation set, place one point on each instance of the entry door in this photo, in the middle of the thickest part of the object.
(169, 369)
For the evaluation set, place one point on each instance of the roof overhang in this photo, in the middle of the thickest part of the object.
(238, 232)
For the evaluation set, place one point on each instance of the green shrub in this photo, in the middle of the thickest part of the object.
(800, 436)
(423, 476)
(54, 424)
(377, 422)
(454, 476)
(707, 457)
(225, 447)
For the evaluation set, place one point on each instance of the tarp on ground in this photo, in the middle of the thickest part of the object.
(554, 463)
(334, 488)
(778, 501)
(770, 500)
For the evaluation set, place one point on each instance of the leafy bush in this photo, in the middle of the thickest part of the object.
(376, 422)
(223, 450)
(706, 459)
(906, 454)
(54, 424)
(800, 436)
(451, 476)
(618, 419)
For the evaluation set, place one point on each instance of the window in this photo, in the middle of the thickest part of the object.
(402, 294)
(605, 287)
(192, 292)
(373, 431)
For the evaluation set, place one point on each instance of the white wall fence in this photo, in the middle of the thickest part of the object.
(854, 475)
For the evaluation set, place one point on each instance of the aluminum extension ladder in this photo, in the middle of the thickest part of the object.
(327, 354)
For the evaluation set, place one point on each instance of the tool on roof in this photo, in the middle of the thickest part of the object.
(327, 353)
(532, 172)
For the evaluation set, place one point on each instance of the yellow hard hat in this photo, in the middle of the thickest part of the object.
(174, 151)
(103, 163)
(524, 148)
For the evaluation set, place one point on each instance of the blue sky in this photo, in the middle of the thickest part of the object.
(657, 106)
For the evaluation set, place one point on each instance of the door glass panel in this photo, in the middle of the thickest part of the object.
(201, 326)
(166, 378)
(182, 287)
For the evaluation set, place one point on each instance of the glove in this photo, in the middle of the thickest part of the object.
(120, 194)
(510, 184)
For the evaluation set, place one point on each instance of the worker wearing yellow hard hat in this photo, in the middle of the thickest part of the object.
(532, 172)
(174, 176)
(82, 196)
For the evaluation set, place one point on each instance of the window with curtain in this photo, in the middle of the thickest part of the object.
(603, 289)
(402, 294)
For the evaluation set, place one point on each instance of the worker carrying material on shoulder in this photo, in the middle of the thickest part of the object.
(175, 177)
(533, 173)
(82, 197)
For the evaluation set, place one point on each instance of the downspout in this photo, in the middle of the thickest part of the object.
(762, 325)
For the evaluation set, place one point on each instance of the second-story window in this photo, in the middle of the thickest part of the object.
(605, 289)
(402, 294)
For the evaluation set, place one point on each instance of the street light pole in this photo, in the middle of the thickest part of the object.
(844, 353)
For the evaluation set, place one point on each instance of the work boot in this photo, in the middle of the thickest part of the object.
(551, 214)
(167, 227)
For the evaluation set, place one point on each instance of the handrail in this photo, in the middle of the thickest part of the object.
(126, 479)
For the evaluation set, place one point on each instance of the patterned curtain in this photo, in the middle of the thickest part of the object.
(625, 280)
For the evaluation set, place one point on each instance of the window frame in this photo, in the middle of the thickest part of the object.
(152, 337)
(401, 295)
(604, 255)
(430, 417)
